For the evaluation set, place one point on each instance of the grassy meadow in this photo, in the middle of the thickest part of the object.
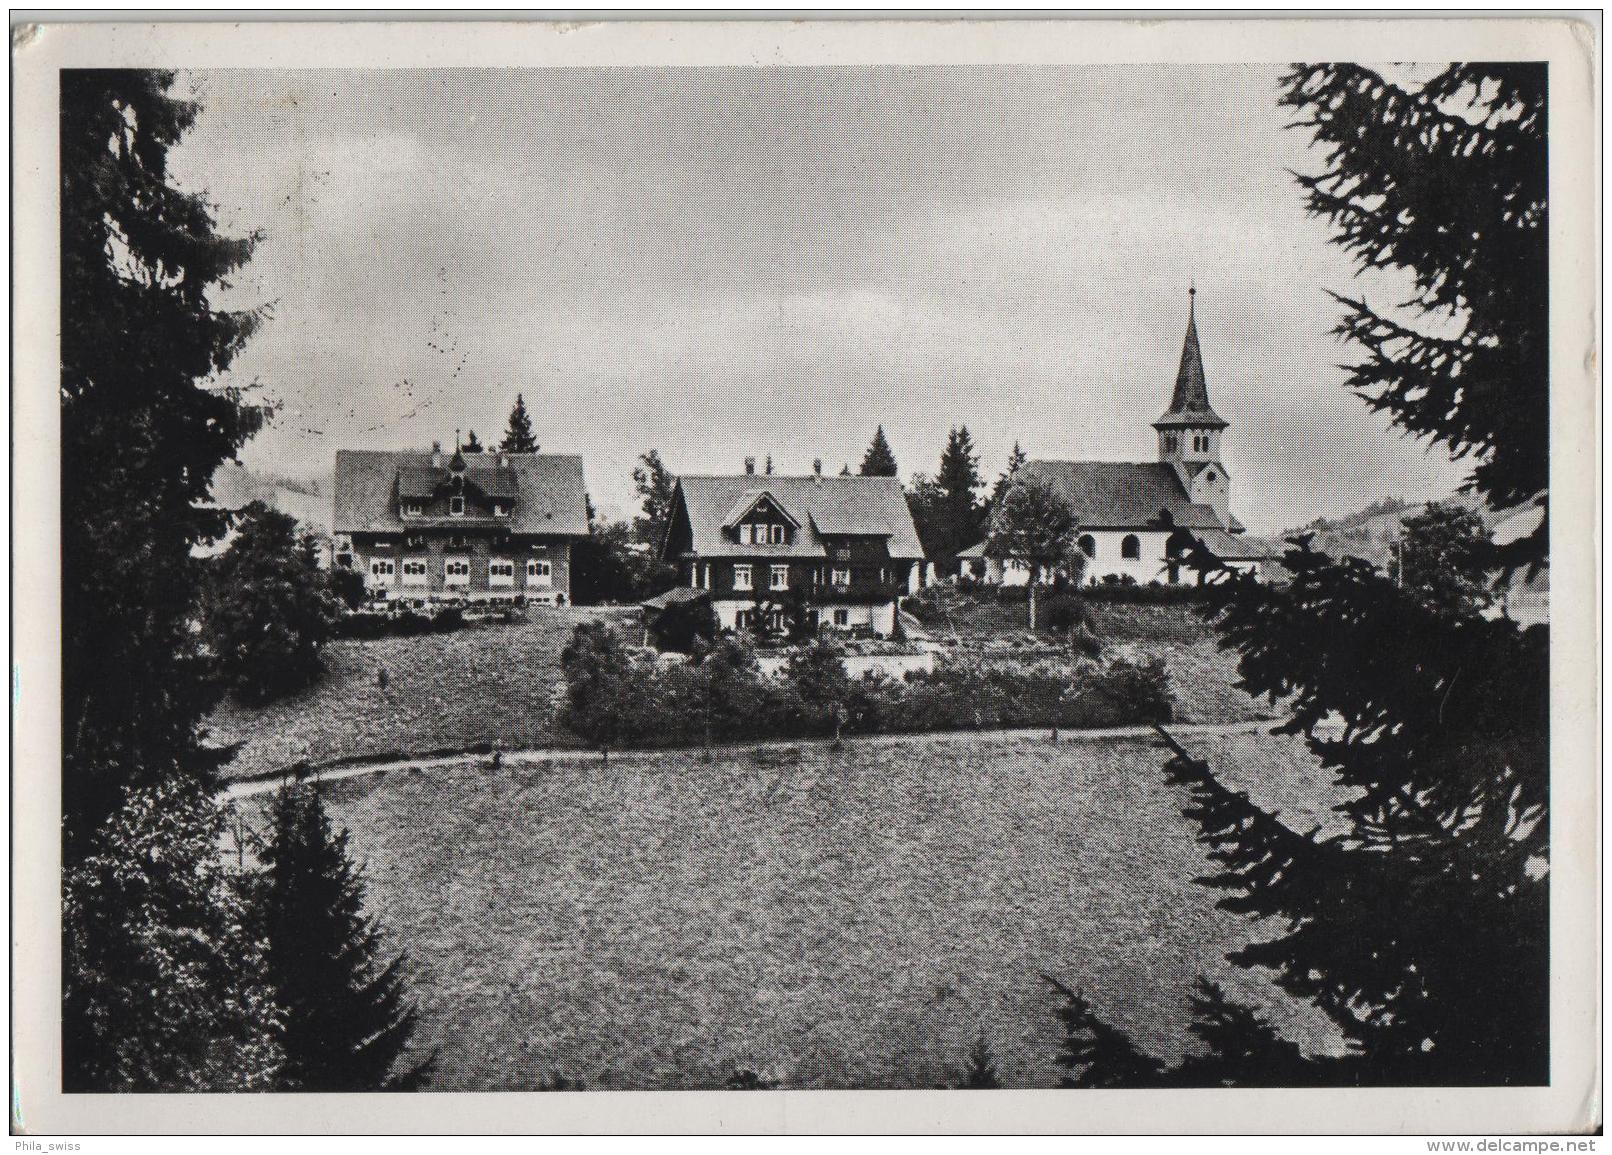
(828, 918)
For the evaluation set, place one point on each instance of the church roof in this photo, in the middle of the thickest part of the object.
(1124, 494)
(1189, 405)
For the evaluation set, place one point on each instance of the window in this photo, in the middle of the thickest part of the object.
(500, 509)
(500, 572)
(414, 571)
(456, 506)
(744, 619)
(539, 573)
(775, 534)
(1088, 545)
(840, 577)
(1131, 547)
(381, 567)
(1171, 442)
(747, 534)
(455, 571)
(842, 554)
(413, 509)
(780, 578)
(842, 617)
(741, 577)
(415, 541)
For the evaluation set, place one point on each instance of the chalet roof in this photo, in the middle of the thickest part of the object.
(1189, 405)
(1124, 494)
(550, 495)
(855, 505)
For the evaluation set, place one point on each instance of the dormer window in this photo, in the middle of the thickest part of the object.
(413, 508)
(500, 509)
(775, 534)
(456, 506)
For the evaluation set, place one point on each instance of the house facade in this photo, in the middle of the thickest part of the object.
(480, 527)
(757, 542)
(1130, 513)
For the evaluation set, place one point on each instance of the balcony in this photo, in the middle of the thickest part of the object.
(857, 592)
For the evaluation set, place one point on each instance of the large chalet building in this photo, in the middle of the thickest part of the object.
(1130, 511)
(754, 541)
(486, 527)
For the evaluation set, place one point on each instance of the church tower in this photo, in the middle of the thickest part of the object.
(1189, 431)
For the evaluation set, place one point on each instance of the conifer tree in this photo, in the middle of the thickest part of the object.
(519, 438)
(1096, 1054)
(1446, 182)
(140, 440)
(347, 1017)
(1242, 1049)
(979, 1070)
(959, 481)
(879, 460)
(1015, 460)
(472, 443)
(1438, 717)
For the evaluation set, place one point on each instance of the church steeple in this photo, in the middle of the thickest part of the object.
(1189, 405)
(1189, 430)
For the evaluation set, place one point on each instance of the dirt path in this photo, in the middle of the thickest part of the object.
(544, 757)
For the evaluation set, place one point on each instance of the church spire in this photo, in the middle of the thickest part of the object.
(1189, 405)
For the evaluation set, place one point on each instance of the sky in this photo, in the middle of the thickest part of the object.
(721, 263)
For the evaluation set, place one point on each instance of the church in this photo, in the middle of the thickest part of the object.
(1129, 511)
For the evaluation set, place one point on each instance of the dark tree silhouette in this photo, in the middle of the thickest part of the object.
(472, 443)
(1433, 720)
(272, 608)
(1095, 1054)
(1447, 183)
(347, 1016)
(879, 460)
(140, 440)
(519, 438)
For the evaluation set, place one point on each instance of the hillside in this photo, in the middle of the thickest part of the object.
(1372, 532)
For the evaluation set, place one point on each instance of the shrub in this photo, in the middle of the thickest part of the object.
(271, 609)
(1063, 612)
(679, 625)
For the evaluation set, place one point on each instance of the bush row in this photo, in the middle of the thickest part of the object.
(399, 624)
(616, 697)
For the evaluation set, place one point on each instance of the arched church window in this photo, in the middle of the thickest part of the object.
(1088, 545)
(1131, 547)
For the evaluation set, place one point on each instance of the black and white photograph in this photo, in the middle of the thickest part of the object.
(973, 572)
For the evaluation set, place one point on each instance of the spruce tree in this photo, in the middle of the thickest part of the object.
(347, 1018)
(1016, 459)
(140, 440)
(519, 438)
(1436, 718)
(959, 482)
(879, 460)
(1447, 183)
(979, 1070)
(472, 443)
(1094, 1053)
